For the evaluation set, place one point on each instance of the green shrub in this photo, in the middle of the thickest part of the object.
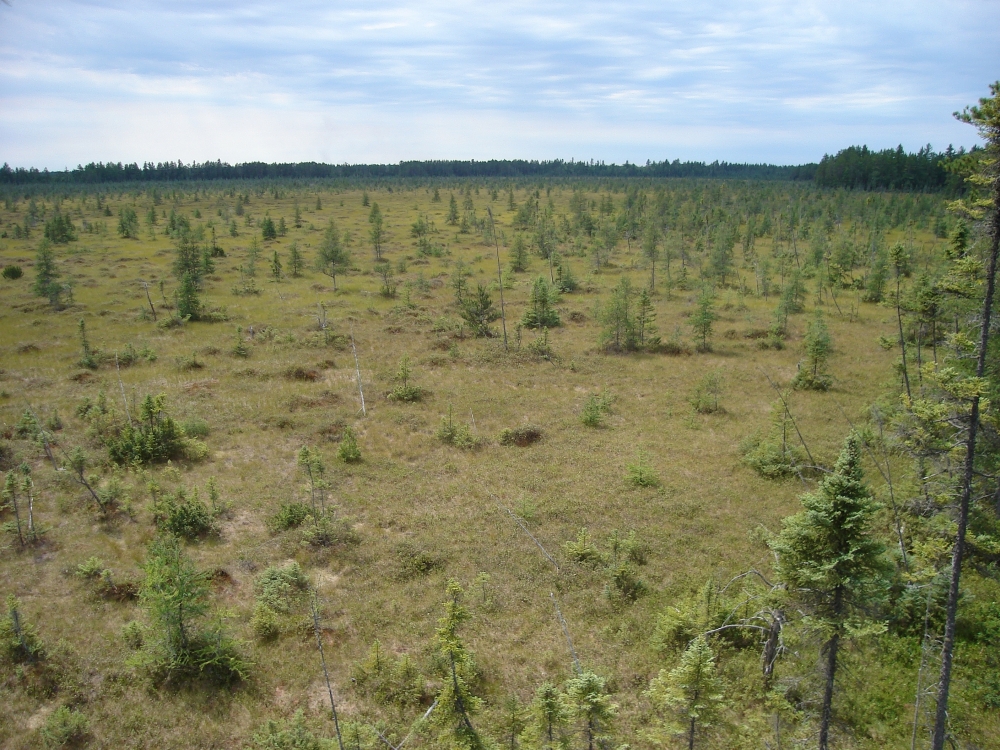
(769, 459)
(27, 426)
(415, 562)
(806, 380)
(349, 452)
(458, 435)
(325, 531)
(195, 427)
(289, 516)
(625, 585)
(277, 589)
(641, 474)
(288, 735)
(387, 679)
(265, 623)
(155, 438)
(583, 550)
(64, 727)
(18, 641)
(183, 516)
(594, 409)
(520, 436)
(705, 399)
(130, 355)
(12, 272)
(133, 635)
(91, 568)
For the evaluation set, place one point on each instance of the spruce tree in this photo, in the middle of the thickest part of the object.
(832, 563)
(587, 700)
(188, 304)
(703, 318)
(984, 204)
(817, 346)
(693, 690)
(295, 260)
(456, 703)
(333, 259)
(46, 276)
(547, 717)
(377, 232)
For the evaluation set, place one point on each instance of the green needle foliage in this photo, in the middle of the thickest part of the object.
(155, 438)
(456, 703)
(817, 345)
(405, 391)
(541, 312)
(587, 701)
(692, 691)
(703, 319)
(175, 595)
(349, 452)
(478, 311)
(833, 563)
(46, 276)
(547, 718)
(333, 259)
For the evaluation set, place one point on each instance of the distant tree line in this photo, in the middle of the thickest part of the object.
(858, 168)
(112, 172)
(853, 168)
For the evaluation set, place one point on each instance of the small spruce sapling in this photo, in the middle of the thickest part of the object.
(817, 346)
(692, 691)
(587, 700)
(349, 452)
(703, 319)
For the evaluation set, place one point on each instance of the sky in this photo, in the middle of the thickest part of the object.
(382, 81)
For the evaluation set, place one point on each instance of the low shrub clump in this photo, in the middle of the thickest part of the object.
(458, 435)
(520, 436)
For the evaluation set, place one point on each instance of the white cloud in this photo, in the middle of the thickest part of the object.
(781, 81)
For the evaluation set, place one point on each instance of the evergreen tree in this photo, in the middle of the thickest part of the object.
(703, 318)
(456, 703)
(128, 223)
(541, 312)
(298, 216)
(452, 211)
(276, 266)
(188, 303)
(651, 251)
(175, 594)
(46, 276)
(547, 718)
(619, 320)
(519, 255)
(267, 229)
(376, 233)
(983, 179)
(587, 699)
(333, 259)
(693, 690)
(477, 310)
(60, 230)
(645, 317)
(188, 260)
(817, 347)
(295, 260)
(832, 562)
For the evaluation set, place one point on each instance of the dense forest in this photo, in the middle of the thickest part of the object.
(170, 171)
(535, 463)
(854, 168)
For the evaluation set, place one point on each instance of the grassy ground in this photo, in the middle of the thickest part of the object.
(412, 497)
